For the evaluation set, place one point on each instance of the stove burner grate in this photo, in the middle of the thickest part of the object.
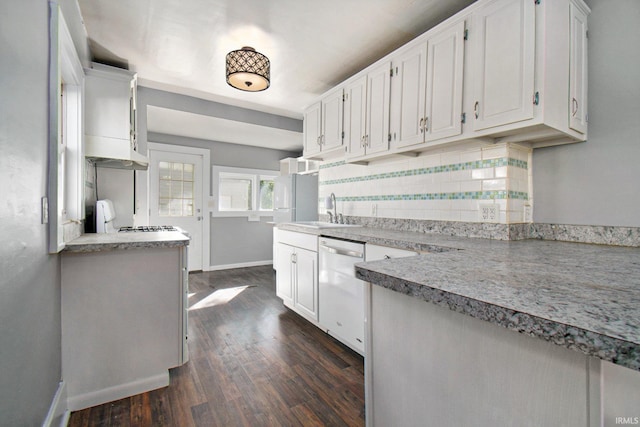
(147, 228)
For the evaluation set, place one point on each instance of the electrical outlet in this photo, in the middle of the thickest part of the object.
(489, 212)
(527, 217)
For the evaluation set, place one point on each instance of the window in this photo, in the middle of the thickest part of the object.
(236, 192)
(65, 197)
(266, 193)
(176, 187)
(243, 192)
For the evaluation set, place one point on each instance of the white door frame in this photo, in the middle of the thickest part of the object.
(206, 192)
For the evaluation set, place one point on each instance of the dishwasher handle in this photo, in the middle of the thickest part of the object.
(338, 251)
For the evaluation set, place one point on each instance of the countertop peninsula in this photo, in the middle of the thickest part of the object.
(95, 242)
(580, 296)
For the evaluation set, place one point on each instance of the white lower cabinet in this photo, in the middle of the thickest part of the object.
(124, 321)
(284, 272)
(297, 272)
(305, 269)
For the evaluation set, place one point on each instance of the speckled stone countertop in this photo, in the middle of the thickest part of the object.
(95, 242)
(579, 296)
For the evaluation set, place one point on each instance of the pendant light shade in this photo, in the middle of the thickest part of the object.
(248, 70)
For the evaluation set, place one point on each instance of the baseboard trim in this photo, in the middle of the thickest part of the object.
(109, 394)
(58, 408)
(239, 265)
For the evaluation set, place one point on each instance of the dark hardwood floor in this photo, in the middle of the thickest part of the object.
(252, 362)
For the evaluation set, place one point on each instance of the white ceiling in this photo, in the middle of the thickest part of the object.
(180, 46)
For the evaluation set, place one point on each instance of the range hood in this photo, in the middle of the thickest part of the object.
(113, 153)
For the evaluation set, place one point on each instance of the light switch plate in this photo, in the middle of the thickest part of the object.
(44, 218)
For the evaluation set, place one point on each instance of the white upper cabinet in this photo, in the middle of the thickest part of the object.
(323, 126)
(332, 121)
(355, 116)
(312, 129)
(408, 96)
(366, 114)
(378, 93)
(578, 69)
(498, 71)
(427, 103)
(505, 59)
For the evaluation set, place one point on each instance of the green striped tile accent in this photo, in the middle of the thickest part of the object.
(332, 165)
(479, 164)
(466, 195)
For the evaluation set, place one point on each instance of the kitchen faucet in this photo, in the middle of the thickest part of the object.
(335, 209)
(330, 202)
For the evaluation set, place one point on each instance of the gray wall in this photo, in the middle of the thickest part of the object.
(30, 363)
(597, 182)
(233, 240)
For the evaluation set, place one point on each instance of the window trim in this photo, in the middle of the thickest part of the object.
(255, 175)
(65, 201)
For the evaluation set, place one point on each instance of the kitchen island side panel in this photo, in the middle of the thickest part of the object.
(429, 365)
(121, 322)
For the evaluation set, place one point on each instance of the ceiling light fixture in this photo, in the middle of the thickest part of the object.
(248, 70)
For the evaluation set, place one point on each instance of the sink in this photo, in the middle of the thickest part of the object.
(322, 224)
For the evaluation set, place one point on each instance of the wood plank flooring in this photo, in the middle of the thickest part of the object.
(252, 362)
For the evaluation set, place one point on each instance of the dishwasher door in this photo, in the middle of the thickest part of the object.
(341, 295)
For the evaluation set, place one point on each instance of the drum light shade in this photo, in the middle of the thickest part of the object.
(248, 70)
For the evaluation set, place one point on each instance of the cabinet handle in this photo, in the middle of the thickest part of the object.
(322, 140)
(476, 109)
(366, 141)
(574, 104)
(426, 124)
(420, 125)
(318, 140)
(362, 141)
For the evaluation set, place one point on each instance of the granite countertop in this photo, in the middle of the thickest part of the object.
(580, 296)
(95, 242)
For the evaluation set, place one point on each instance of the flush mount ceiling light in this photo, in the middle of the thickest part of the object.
(248, 70)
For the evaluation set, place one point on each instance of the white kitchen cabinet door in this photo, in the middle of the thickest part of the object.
(578, 70)
(355, 109)
(312, 129)
(331, 137)
(445, 60)
(504, 71)
(378, 99)
(411, 84)
(285, 274)
(430, 99)
(306, 283)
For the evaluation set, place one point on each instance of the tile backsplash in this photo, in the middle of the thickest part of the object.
(447, 186)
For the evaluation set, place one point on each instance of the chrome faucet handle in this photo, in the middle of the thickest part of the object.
(330, 216)
(340, 219)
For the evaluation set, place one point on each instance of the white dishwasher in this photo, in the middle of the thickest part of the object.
(341, 295)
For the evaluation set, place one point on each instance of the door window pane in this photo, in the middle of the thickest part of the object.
(176, 188)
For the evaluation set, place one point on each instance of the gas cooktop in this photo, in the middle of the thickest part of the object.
(147, 228)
